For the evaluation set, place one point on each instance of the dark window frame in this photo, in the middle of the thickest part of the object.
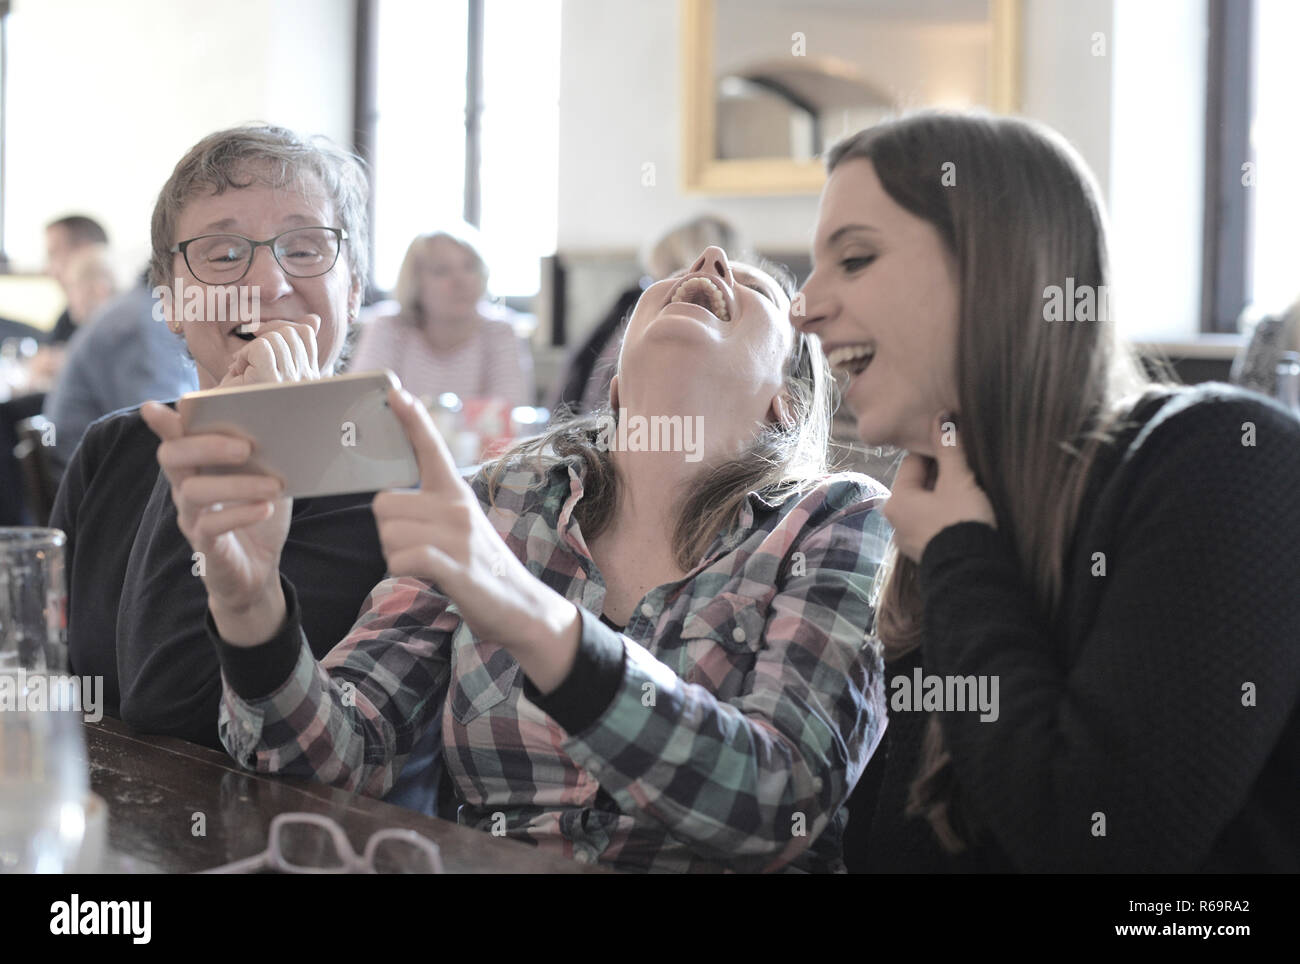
(365, 112)
(1226, 256)
(4, 115)
(474, 112)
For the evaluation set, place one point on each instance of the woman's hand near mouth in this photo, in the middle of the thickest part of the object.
(281, 351)
(930, 494)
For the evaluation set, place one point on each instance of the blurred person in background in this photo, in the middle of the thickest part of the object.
(88, 282)
(71, 242)
(1271, 336)
(64, 237)
(585, 385)
(67, 240)
(439, 340)
(122, 358)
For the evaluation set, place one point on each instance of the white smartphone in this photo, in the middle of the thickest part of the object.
(331, 436)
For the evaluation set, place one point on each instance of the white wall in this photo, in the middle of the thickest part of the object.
(105, 98)
(1064, 83)
(1123, 81)
(1158, 150)
(619, 109)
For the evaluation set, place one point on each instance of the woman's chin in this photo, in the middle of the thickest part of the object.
(869, 436)
(871, 429)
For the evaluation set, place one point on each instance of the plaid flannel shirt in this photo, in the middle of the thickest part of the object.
(745, 702)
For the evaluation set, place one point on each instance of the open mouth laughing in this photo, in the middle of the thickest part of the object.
(704, 293)
(851, 359)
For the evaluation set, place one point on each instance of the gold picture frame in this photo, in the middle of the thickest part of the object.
(703, 173)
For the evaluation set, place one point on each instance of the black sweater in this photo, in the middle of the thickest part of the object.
(1166, 700)
(136, 610)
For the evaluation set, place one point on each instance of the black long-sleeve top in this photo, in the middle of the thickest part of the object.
(1156, 726)
(136, 606)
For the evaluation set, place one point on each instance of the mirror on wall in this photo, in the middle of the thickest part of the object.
(768, 85)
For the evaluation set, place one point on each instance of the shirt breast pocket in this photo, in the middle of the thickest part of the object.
(720, 642)
(483, 675)
(732, 621)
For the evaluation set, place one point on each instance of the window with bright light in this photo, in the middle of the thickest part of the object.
(419, 169)
(521, 126)
(1274, 279)
(419, 173)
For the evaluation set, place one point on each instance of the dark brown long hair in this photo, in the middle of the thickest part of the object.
(781, 460)
(1038, 399)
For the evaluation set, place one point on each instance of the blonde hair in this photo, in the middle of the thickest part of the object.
(91, 263)
(680, 246)
(89, 280)
(407, 290)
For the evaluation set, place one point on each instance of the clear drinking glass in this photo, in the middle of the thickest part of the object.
(44, 777)
(33, 598)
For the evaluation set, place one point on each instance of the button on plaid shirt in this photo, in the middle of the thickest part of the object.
(750, 699)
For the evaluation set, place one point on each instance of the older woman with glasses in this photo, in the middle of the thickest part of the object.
(251, 218)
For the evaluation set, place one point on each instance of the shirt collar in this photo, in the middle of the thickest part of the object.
(566, 488)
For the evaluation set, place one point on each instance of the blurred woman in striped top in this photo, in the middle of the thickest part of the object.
(439, 340)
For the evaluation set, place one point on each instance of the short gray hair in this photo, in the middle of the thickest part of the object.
(241, 156)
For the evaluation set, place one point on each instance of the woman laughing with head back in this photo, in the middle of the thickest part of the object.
(642, 634)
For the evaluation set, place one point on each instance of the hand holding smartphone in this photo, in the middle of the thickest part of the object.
(329, 436)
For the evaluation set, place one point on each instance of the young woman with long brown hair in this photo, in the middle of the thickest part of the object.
(1118, 560)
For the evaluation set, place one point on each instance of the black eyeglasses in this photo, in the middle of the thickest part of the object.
(224, 259)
